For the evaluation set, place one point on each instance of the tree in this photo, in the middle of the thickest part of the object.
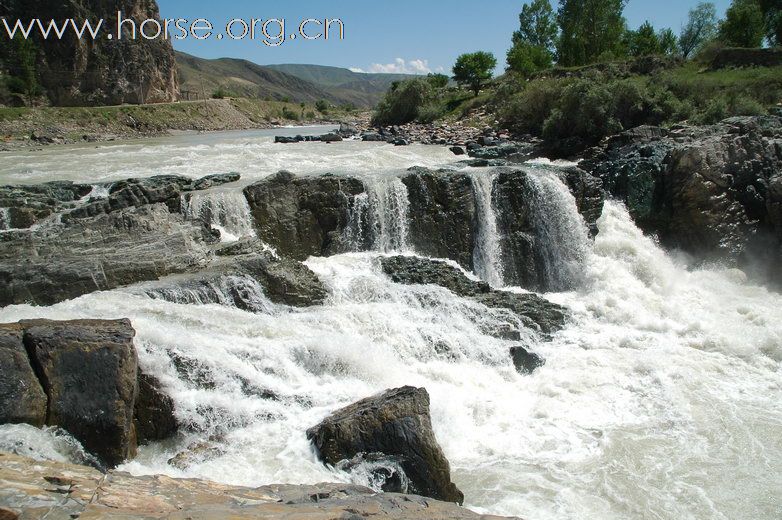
(644, 41)
(527, 59)
(591, 30)
(437, 81)
(322, 106)
(537, 25)
(474, 69)
(533, 42)
(23, 73)
(744, 25)
(669, 43)
(701, 28)
(772, 13)
(403, 102)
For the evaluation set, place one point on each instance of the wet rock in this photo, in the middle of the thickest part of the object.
(709, 190)
(213, 181)
(526, 362)
(22, 399)
(154, 417)
(196, 453)
(371, 137)
(48, 265)
(394, 423)
(88, 369)
(29, 205)
(280, 139)
(228, 280)
(303, 216)
(536, 312)
(443, 219)
(331, 138)
(458, 150)
(510, 152)
(347, 129)
(91, 494)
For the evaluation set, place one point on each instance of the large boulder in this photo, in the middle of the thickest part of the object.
(713, 191)
(442, 214)
(303, 216)
(395, 423)
(88, 369)
(535, 312)
(23, 399)
(27, 205)
(153, 412)
(51, 264)
(245, 275)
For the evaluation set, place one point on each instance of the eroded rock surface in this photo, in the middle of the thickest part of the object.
(38, 489)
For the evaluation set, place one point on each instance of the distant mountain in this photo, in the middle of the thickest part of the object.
(299, 83)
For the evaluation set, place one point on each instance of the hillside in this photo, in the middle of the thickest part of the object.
(299, 83)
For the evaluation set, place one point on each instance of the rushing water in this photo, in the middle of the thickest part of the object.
(662, 398)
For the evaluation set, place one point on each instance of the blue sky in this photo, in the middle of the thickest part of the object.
(388, 36)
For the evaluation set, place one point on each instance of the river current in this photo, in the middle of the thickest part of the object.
(661, 398)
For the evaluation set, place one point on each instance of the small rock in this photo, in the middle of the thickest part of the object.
(526, 362)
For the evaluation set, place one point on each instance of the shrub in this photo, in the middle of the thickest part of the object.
(403, 104)
(322, 106)
(289, 114)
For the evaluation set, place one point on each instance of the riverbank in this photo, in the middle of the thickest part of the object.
(35, 127)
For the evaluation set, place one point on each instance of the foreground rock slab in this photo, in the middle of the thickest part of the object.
(395, 424)
(37, 489)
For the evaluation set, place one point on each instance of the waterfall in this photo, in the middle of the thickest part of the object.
(243, 292)
(379, 218)
(487, 256)
(562, 235)
(5, 219)
(226, 211)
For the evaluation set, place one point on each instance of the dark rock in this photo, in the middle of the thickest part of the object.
(710, 191)
(589, 195)
(331, 138)
(399, 141)
(303, 216)
(88, 369)
(22, 399)
(443, 219)
(526, 362)
(154, 417)
(212, 181)
(29, 205)
(458, 150)
(371, 137)
(536, 312)
(49, 265)
(395, 423)
(280, 139)
(511, 152)
(347, 129)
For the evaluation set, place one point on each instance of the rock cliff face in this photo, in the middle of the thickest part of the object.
(78, 72)
(714, 191)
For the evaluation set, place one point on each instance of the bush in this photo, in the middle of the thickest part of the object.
(289, 114)
(585, 111)
(403, 104)
(322, 106)
(430, 112)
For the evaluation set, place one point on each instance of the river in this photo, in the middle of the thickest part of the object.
(661, 399)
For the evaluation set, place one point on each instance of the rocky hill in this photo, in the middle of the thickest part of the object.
(81, 72)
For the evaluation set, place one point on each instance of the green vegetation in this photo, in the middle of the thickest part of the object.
(744, 25)
(533, 42)
(701, 28)
(474, 69)
(590, 31)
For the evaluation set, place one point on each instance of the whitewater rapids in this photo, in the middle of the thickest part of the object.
(661, 399)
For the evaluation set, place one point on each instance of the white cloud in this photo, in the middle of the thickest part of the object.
(400, 66)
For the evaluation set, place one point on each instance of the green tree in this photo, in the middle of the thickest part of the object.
(772, 13)
(437, 81)
(537, 25)
(744, 25)
(533, 42)
(322, 106)
(474, 69)
(403, 102)
(669, 43)
(23, 74)
(591, 30)
(644, 41)
(527, 59)
(701, 28)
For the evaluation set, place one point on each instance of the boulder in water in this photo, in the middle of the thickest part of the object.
(526, 362)
(303, 216)
(29, 205)
(154, 418)
(442, 214)
(395, 423)
(22, 399)
(536, 312)
(88, 370)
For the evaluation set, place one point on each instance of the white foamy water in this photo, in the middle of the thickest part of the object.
(661, 399)
(487, 256)
(252, 153)
(226, 210)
